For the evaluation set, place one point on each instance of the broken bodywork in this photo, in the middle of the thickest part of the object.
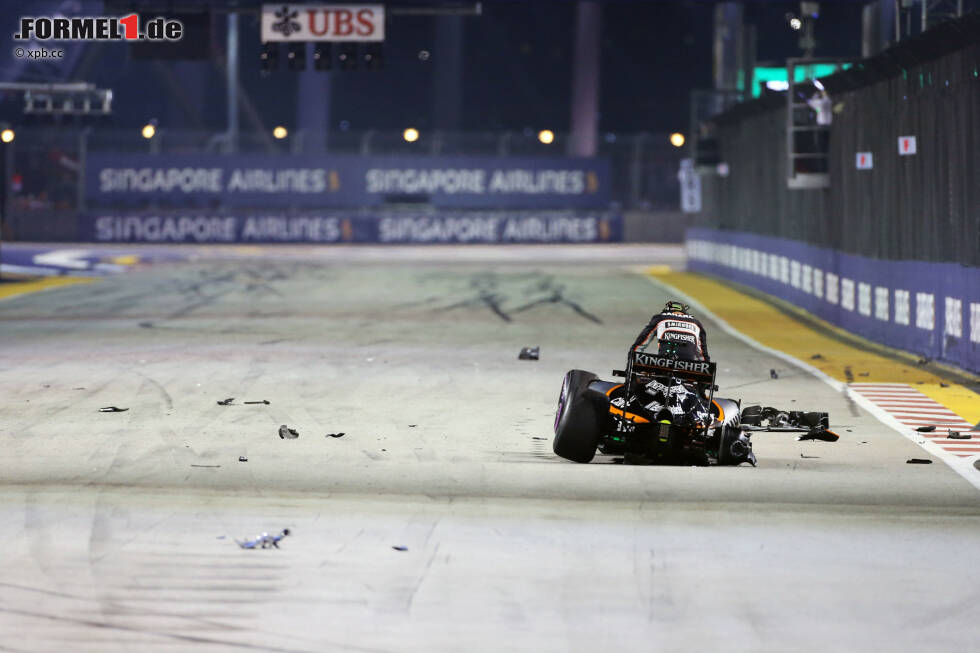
(665, 412)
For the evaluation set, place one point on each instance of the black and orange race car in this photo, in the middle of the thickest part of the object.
(618, 418)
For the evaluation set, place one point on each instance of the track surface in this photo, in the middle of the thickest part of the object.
(120, 526)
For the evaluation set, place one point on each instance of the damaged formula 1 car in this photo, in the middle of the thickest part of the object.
(665, 412)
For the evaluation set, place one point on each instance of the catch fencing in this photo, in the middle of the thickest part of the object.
(891, 249)
(904, 158)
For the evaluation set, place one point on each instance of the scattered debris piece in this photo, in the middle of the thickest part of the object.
(773, 374)
(769, 417)
(819, 434)
(848, 374)
(926, 429)
(918, 461)
(976, 463)
(263, 541)
(334, 435)
(529, 353)
(976, 427)
(226, 402)
(923, 361)
(534, 437)
(943, 385)
(863, 442)
(112, 409)
(864, 373)
(412, 426)
(400, 547)
(242, 459)
(221, 537)
(287, 433)
(78, 388)
(956, 435)
(205, 465)
(802, 456)
(816, 357)
(264, 401)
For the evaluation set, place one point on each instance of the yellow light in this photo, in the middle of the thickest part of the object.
(546, 136)
(677, 139)
(149, 131)
(280, 132)
(411, 134)
(7, 135)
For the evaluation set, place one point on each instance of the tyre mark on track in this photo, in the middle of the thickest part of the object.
(541, 289)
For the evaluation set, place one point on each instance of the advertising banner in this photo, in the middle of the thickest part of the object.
(348, 181)
(296, 22)
(336, 227)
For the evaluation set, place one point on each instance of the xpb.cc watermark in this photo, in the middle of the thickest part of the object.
(38, 53)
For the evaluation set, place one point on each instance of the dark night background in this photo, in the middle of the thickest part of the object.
(516, 67)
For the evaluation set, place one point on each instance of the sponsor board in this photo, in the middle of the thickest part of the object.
(349, 181)
(319, 22)
(453, 227)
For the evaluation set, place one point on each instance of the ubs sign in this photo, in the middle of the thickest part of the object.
(293, 22)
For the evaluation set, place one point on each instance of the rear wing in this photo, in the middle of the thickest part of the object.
(654, 365)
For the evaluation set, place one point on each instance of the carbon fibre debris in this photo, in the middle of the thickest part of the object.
(263, 540)
(529, 353)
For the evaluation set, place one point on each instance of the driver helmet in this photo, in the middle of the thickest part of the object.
(676, 307)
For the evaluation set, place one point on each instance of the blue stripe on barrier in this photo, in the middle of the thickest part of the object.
(932, 309)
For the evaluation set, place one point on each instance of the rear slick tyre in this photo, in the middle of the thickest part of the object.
(578, 424)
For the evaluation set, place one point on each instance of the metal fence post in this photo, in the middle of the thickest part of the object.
(636, 169)
(366, 141)
(503, 144)
(82, 157)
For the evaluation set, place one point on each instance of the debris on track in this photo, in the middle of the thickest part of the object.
(529, 353)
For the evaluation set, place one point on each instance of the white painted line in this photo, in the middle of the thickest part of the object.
(961, 465)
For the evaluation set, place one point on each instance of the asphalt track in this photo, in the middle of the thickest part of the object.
(121, 527)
